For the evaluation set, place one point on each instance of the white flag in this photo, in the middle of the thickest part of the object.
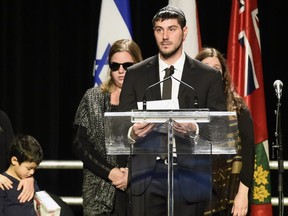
(192, 44)
(114, 24)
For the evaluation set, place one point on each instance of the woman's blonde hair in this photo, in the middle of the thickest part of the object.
(123, 45)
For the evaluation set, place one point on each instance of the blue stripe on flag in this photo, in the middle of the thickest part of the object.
(101, 62)
(250, 82)
(124, 9)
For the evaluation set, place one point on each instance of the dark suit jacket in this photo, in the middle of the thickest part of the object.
(195, 169)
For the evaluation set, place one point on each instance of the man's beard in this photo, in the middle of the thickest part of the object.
(169, 54)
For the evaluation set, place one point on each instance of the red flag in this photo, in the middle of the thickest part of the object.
(245, 63)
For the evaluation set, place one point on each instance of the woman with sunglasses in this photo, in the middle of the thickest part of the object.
(104, 176)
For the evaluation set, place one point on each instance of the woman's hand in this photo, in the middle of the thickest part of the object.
(119, 177)
(27, 193)
(5, 183)
(240, 206)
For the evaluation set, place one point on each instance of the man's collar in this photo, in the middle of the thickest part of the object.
(178, 65)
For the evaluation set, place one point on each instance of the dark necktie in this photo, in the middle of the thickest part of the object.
(167, 85)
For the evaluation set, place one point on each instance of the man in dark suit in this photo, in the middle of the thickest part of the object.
(148, 184)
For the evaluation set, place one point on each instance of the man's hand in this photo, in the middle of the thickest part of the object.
(140, 130)
(28, 189)
(185, 128)
(5, 183)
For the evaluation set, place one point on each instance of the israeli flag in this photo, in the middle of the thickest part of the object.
(114, 24)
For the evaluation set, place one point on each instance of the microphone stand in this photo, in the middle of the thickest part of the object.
(278, 145)
(189, 86)
(149, 87)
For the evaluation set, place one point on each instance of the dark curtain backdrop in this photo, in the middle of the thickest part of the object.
(47, 52)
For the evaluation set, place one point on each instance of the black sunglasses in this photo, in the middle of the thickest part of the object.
(114, 66)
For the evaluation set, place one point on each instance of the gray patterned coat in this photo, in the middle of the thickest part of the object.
(89, 146)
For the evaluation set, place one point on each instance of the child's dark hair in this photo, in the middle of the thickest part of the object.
(26, 149)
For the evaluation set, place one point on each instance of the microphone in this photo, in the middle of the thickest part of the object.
(278, 88)
(189, 86)
(155, 84)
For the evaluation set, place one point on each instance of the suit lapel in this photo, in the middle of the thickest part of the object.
(152, 70)
(185, 94)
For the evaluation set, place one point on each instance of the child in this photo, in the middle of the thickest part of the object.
(25, 155)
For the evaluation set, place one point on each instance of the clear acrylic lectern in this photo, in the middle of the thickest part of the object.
(217, 134)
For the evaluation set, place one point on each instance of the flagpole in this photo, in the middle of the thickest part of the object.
(278, 146)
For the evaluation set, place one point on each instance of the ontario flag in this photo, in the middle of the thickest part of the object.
(244, 60)
(114, 24)
(192, 44)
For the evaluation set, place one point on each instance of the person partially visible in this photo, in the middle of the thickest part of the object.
(25, 155)
(104, 176)
(238, 191)
(6, 137)
(148, 184)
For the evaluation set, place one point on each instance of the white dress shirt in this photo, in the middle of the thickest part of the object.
(179, 65)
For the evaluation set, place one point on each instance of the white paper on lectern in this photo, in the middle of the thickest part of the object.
(159, 105)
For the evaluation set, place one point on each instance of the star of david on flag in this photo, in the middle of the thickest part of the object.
(114, 24)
